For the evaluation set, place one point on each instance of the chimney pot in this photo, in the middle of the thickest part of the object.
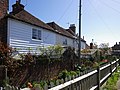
(91, 45)
(83, 37)
(72, 27)
(18, 1)
(17, 7)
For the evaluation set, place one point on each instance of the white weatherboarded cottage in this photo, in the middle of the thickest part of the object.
(24, 32)
(24, 36)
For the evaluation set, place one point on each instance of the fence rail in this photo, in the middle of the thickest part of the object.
(90, 80)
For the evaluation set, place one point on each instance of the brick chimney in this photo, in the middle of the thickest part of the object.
(72, 27)
(91, 45)
(4, 7)
(83, 37)
(17, 7)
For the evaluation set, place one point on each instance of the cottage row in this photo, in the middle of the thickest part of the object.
(21, 30)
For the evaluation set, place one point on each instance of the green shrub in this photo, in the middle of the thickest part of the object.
(111, 82)
(72, 73)
(63, 74)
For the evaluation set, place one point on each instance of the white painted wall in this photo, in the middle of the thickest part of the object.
(20, 36)
(83, 45)
(60, 39)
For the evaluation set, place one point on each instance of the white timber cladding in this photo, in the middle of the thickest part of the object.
(20, 36)
(83, 45)
(64, 41)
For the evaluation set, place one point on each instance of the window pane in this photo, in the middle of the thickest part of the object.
(34, 34)
(65, 42)
(39, 34)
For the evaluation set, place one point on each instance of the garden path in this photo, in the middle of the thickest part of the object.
(118, 84)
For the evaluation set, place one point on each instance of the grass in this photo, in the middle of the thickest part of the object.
(112, 81)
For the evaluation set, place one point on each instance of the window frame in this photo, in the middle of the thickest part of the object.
(65, 42)
(36, 34)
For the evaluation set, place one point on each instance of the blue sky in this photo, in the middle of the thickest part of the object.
(100, 18)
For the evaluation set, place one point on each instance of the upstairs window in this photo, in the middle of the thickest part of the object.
(65, 42)
(36, 34)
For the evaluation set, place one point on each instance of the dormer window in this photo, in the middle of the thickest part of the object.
(36, 34)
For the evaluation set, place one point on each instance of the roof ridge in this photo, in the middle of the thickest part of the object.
(60, 29)
(29, 18)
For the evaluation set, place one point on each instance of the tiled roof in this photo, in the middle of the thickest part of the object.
(83, 40)
(27, 17)
(116, 47)
(70, 31)
(87, 46)
(60, 30)
(52, 26)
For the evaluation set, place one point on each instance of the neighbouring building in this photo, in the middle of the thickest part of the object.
(83, 44)
(3, 12)
(116, 49)
(3, 7)
(23, 31)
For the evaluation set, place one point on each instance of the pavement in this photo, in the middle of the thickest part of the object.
(118, 84)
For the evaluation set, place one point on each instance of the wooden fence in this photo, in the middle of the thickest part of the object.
(88, 80)
(2, 74)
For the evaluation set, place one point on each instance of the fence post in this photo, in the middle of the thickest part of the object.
(110, 68)
(119, 62)
(1, 88)
(116, 65)
(98, 77)
(6, 78)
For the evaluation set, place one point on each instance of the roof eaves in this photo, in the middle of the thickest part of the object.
(12, 17)
(60, 30)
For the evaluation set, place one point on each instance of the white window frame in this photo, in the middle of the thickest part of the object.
(65, 42)
(36, 34)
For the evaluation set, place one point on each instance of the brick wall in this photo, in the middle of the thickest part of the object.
(3, 30)
(3, 7)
